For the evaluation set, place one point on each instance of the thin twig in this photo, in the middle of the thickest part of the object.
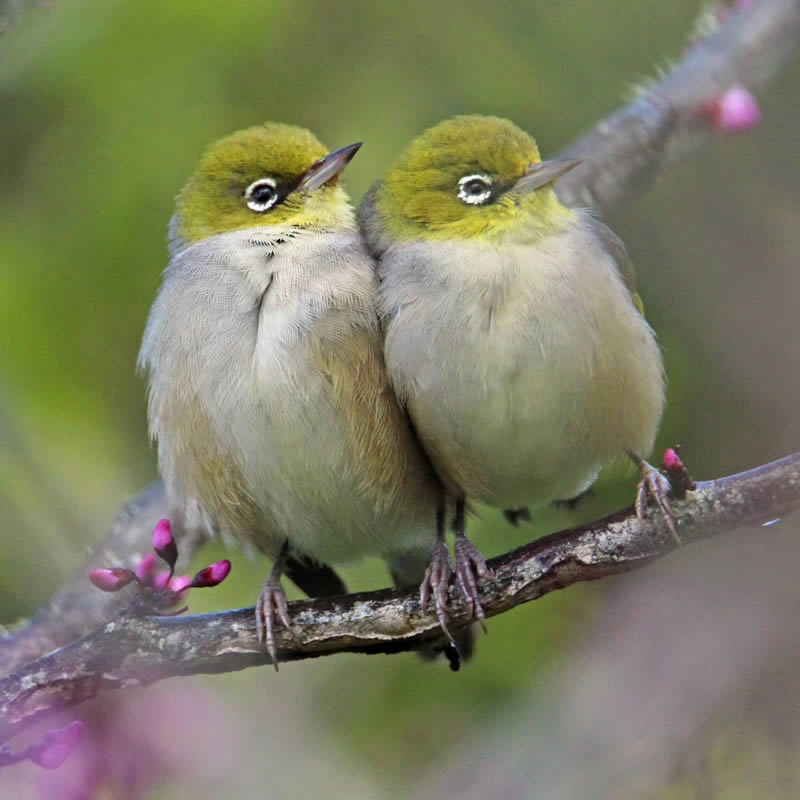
(626, 151)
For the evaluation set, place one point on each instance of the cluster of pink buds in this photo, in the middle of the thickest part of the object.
(159, 590)
(50, 751)
(675, 470)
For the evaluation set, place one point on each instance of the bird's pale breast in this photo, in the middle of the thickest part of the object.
(269, 397)
(525, 369)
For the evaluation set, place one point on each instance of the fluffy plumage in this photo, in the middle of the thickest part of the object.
(513, 334)
(268, 394)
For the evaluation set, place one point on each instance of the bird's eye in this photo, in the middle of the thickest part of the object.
(475, 189)
(262, 194)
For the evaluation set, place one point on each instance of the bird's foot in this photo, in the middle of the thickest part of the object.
(271, 603)
(655, 485)
(470, 568)
(435, 582)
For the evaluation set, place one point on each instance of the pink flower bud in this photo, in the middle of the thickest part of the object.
(672, 461)
(174, 592)
(212, 575)
(161, 580)
(164, 544)
(180, 583)
(111, 579)
(734, 111)
(56, 745)
(147, 567)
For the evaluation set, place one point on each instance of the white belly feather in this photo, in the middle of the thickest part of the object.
(524, 370)
(245, 405)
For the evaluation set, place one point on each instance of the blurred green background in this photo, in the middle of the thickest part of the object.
(105, 107)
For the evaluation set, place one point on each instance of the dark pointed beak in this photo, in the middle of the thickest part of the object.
(538, 175)
(327, 168)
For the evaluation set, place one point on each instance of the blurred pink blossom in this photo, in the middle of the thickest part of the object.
(735, 111)
(180, 583)
(56, 745)
(147, 567)
(111, 579)
(134, 744)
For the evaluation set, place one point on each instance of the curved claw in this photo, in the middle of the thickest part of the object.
(436, 581)
(271, 602)
(470, 568)
(653, 484)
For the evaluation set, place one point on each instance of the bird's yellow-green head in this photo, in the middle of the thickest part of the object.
(269, 174)
(471, 177)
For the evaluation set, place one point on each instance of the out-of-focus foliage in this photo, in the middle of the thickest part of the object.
(104, 108)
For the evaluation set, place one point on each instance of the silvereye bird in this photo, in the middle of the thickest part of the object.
(513, 333)
(267, 389)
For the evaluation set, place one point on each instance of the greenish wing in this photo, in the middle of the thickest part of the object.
(615, 247)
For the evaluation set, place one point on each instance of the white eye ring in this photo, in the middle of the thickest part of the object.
(466, 193)
(258, 199)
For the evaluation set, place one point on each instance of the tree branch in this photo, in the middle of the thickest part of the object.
(135, 650)
(76, 608)
(625, 152)
(622, 154)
